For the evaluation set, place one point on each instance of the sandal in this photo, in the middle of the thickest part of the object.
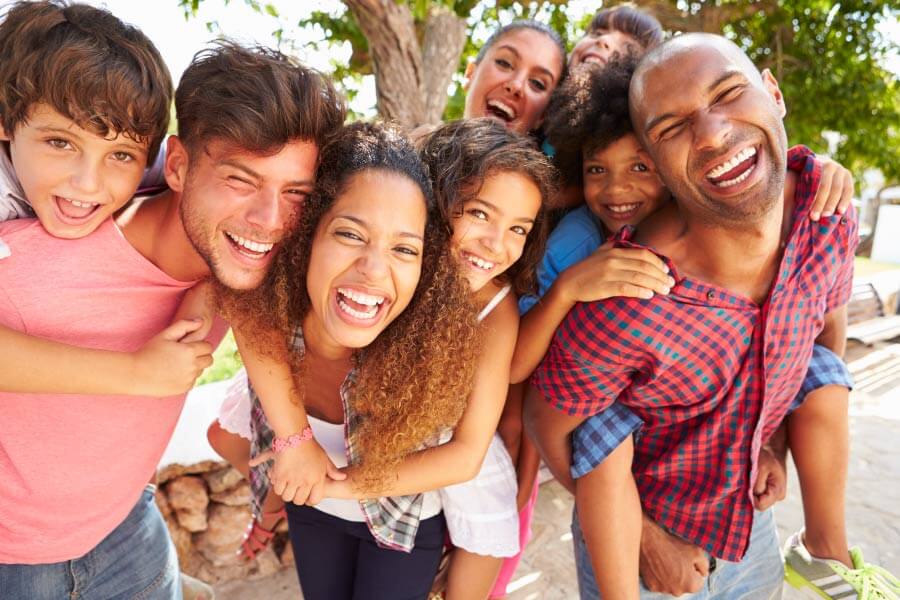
(258, 538)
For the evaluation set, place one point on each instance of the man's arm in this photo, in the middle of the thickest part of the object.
(669, 564)
(834, 334)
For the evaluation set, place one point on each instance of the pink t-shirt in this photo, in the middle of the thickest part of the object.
(72, 466)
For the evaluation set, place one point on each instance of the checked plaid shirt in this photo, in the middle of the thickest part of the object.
(711, 374)
(392, 520)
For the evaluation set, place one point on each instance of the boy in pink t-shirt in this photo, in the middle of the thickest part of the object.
(74, 512)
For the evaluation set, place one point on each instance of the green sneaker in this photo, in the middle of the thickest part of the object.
(823, 578)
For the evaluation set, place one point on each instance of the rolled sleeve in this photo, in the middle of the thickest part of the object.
(596, 438)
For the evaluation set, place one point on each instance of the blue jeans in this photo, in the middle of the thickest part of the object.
(757, 577)
(137, 561)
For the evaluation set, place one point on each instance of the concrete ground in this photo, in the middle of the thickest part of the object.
(547, 571)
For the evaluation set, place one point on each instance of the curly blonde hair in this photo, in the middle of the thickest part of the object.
(414, 380)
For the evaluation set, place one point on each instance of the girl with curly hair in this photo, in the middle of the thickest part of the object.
(382, 359)
(491, 186)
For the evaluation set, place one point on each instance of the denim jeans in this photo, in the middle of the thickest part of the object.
(759, 576)
(137, 561)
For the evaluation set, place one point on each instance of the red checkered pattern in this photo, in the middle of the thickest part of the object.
(710, 373)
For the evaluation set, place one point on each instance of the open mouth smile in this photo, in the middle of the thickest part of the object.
(734, 171)
(249, 248)
(75, 211)
(360, 307)
(501, 110)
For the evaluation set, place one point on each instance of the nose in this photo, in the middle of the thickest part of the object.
(88, 177)
(492, 239)
(373, 264)
(618, 186)
(515, 84)
(265, 211)
(711, 130)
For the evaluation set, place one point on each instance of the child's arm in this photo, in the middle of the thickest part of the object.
(608, 272)
(609, 512)
(461, 458)
(299, 473)
(551, 430)
(835, 190)
(168, 364)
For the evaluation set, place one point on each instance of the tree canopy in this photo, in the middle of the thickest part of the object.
(828, 56)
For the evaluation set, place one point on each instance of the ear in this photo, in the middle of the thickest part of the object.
(771, 85)
(176, 166)
(470, 70)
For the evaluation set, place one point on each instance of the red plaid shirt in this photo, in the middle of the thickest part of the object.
(710, 373)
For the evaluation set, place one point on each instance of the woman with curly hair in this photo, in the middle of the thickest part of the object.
(383, 340)
(491, 186)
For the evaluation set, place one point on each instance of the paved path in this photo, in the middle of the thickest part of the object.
(547, 571)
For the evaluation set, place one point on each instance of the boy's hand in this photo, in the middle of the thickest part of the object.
(668, 564)
(299, 473)
(164, 366)
(835, 190)
(771, 480)
(610, 271)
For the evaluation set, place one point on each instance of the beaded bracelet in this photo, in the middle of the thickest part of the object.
(282, 444)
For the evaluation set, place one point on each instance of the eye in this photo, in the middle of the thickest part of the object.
(595, 170)
(297, 195)
(640, 167)
(539, 85)
(503, 63)
(671, 130)
(729, 94)
(59, 143)
(349, 235)
(519, 230)
(477, 213)
(124, 157)
(239, 183)
(407, 250)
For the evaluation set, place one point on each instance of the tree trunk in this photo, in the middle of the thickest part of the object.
(391, 33)
(410, 80)
(443, 43)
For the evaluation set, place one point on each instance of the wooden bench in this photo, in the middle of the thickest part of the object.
(866, 318)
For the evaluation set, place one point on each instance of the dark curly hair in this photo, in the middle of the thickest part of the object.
(413, 381)
(461, 154)
(640, 25)
(588, 113)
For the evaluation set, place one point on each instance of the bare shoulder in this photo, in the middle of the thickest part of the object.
(503, 321)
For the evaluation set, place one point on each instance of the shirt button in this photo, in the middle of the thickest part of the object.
(843, 220)
(710, 295)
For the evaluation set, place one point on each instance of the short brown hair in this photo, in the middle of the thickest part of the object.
(88, 65)
(256, 98)
(461, 154)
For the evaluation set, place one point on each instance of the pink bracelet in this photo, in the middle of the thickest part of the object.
(282, 444)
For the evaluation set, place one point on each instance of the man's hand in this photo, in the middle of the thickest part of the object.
(165, 366)
(771, 479)
(299, 473)
(668, 564)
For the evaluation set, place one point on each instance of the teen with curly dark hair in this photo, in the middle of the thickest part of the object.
(383, 360)
(491, 187)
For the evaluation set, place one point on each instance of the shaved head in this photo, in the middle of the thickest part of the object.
(672, 49)
(713, 125)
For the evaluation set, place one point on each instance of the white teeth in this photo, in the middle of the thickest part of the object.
(361, 298)
(503, 107)
(79, 204)
(622, 208)
(736, 180)
(738, 159)
(593, 59)
(357, 313)
(259, 247)
(480, 262)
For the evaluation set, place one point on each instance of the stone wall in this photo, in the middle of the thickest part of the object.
(207, 508)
